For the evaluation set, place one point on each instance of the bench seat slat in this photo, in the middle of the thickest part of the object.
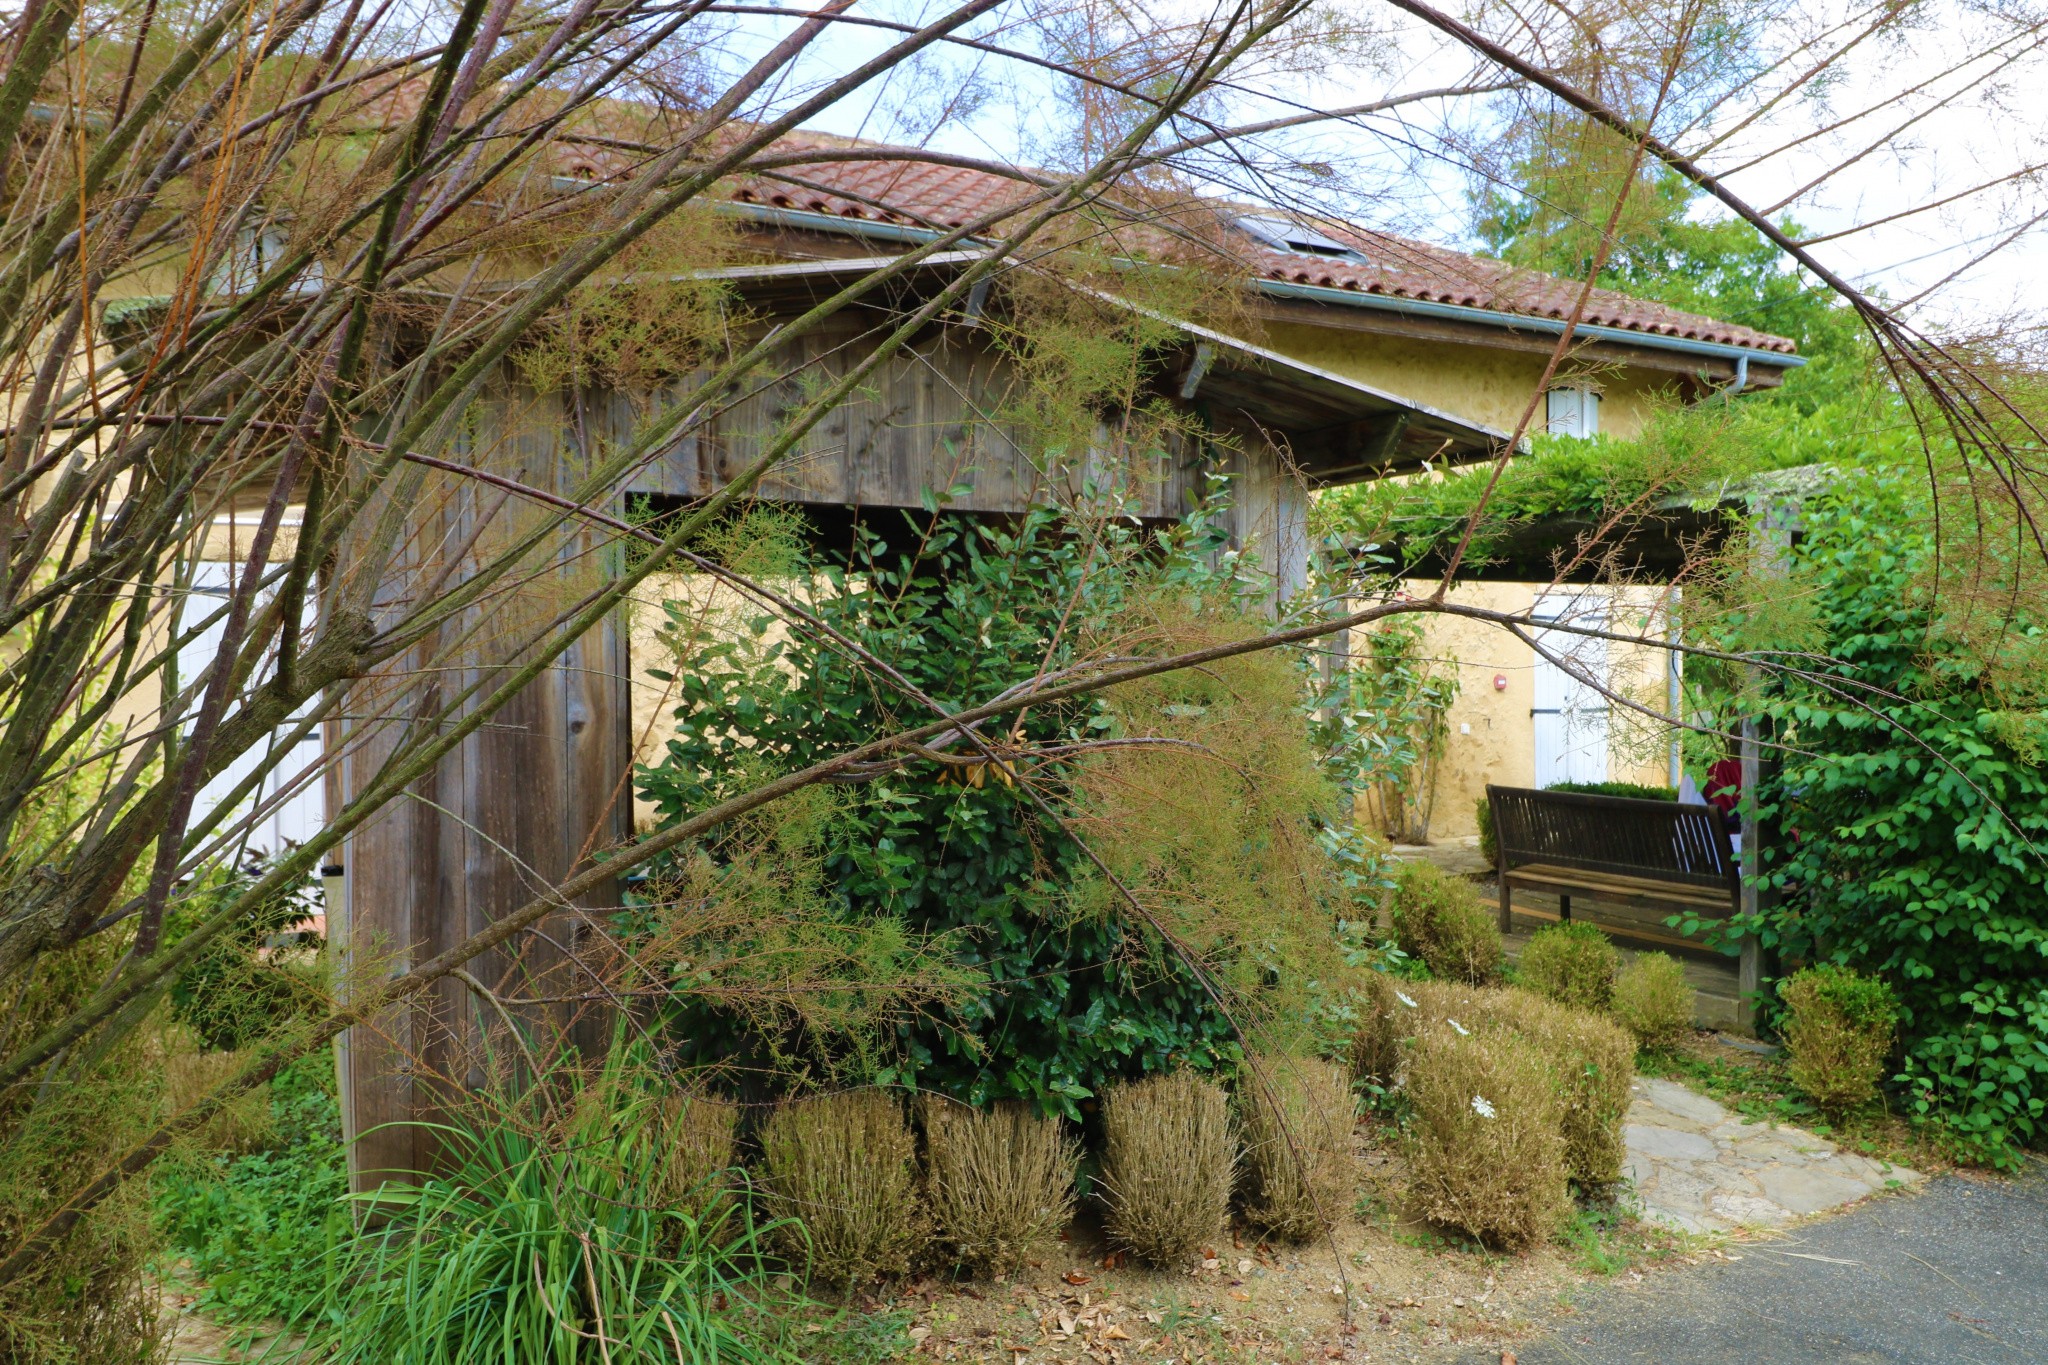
(1601, 885)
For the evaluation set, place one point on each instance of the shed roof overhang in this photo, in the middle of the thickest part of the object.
(1338, 429)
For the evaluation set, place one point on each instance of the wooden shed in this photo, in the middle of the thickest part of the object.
(546, 784)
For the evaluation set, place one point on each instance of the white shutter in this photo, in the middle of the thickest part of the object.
(1573, 412)
(299, 816)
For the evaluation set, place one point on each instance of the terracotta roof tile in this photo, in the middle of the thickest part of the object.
(916, 193)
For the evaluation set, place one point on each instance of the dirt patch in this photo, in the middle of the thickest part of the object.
(1413, 1293)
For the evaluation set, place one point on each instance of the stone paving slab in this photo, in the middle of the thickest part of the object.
(1698, 1167)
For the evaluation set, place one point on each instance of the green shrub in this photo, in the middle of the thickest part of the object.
(253, 1227)
(1001, 1180)
(1635, 791)
(1066, 994)
(1912, 800)
(1168, 1157)
(1295, 1115)
(235, 992)
(1654, 1001)
(840, 1174)
(540, 1234)
(1486, 1152)
(1837, 1031)
(1571, 963)
(1442, 920)
(1488, 849)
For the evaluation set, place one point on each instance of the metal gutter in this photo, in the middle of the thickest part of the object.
(1485, 317)
(805, 221)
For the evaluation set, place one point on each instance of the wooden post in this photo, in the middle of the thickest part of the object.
(519, 805)
(1749, 971)
(1776, 518)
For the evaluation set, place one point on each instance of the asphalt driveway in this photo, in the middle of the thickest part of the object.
(1952, 1275)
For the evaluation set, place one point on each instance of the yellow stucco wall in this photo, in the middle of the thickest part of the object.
(1492, 736)
(1477, 383)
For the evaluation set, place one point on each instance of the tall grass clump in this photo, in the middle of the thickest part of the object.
(1838, 1032)
(1295, 1115)
(1654, 1002)
(1571, 963)
(1168, 1156)
(537, 1240)
(1486, 1151)
(840, 1173)
(1443, 921)
(1001, 1179)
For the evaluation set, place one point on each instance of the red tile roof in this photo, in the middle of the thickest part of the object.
(914, 193)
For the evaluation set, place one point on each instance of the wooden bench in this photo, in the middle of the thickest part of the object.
(1653, 854)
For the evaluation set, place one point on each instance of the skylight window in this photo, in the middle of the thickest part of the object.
(1283, 234)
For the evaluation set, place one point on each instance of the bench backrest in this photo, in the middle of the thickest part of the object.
(1663, 840)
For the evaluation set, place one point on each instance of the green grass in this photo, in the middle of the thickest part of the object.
(543, 1228)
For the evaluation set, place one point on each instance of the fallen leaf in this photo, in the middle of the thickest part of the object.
(1507, 1358)
(918, 1334)
(1212, 1263)
(1244, 1265)
(1115, 1333)
(1240, 1296)
(1074, 1277)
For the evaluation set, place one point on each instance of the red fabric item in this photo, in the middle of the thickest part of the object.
(1724, 785)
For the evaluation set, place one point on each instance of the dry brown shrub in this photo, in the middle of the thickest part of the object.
(700, 1136)
(1593, 1060)
(1394, 1012)
(841, 1168)
(1592, 1064)
(1001, 1179)
(1168, 1156)
(1486, 1148)
(1296, 1116)
(1376, 1042)
(1653, 1001)
(190, 1076)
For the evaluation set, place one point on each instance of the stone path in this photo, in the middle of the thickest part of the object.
(1699, 1167)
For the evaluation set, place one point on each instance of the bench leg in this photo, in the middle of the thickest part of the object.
(1507, 905)
(1564, 909)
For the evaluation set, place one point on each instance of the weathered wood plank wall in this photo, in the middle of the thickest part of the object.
(518, 806)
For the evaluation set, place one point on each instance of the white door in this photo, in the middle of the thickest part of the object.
(299, 815)
(1569, 712)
